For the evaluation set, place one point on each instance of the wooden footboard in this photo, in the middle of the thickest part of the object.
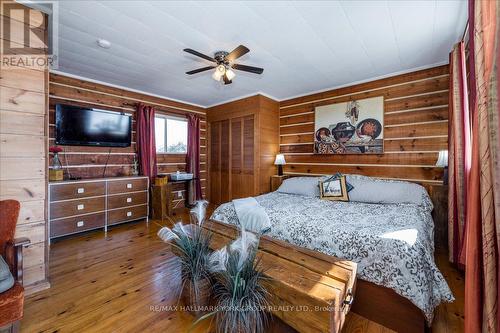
(310, 293)
(379, 304)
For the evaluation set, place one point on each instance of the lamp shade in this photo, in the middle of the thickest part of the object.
(219, 72)
(280, 160)
(442, 161)
(230, 74)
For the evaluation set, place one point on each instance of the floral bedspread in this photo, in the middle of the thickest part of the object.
(391, 243)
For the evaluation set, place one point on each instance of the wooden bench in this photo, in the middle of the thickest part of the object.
(311, 292)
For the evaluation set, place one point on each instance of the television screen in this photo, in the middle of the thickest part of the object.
(79, 126)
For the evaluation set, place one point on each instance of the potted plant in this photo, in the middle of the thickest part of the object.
(239, 292)
(190, 243)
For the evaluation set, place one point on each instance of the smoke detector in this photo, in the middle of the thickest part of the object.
(105, 44)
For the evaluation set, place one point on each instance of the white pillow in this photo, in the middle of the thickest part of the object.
(385, 191)
(306, 186)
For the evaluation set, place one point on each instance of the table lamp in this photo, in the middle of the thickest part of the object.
(442, 162)
(280, 161)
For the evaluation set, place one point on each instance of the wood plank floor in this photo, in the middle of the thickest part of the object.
(118, 283)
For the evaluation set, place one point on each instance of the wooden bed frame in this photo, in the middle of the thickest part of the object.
(383, 305)
(310, 292)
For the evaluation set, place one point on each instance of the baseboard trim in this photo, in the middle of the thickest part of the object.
(36, 287)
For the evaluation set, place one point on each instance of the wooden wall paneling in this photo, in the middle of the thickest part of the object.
(162, 104)
(417, 173)
(399, 80)
(215, 145)
(24, 79)
(424, 159)
(269, 141)
(15, 99)
(415, 128)
(89, 162)
(424, 115)
(416, 144)
(15, 122)
(15, 145)
(23, 190)
(225, 163)
(23, 150)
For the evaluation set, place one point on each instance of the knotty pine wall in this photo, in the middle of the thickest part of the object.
(415, 128)
(89, 162)
(23, 150)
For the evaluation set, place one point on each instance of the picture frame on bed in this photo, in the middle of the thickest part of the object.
(334, 189)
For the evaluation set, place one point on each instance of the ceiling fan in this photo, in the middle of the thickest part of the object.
(224, 64)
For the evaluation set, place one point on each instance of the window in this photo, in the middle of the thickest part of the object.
(171, 135)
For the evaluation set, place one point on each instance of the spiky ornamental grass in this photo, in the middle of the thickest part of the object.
(190, 243)
(193, 251)
(241, 297)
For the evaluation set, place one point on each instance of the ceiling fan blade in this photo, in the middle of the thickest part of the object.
(194, 71)
(201, 55)
(236, 53)
(251, 69)
(226, 80)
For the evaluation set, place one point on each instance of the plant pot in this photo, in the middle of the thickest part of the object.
(197, 304)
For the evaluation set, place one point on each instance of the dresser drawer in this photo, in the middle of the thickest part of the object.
(126, 200)
(127, 214)
(127, 185)
(76, 190)
(76, 224)
(76, 207)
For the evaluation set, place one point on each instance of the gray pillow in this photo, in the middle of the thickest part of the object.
(306, 186)
(6, 278)
(384, 191)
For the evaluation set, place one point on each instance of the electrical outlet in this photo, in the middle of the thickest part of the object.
(179, 194)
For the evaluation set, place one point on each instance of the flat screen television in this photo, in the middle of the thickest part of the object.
(77, 126)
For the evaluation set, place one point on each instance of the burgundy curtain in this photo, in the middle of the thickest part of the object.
(146, 147)
(459, 152)
(193, 154)
(482, 233)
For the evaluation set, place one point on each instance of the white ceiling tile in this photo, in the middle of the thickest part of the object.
(303, 46)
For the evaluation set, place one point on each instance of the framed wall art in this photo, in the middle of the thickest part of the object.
(354, 127)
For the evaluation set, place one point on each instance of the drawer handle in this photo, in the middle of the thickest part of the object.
(80, 190)
(349, 299)
(129, 214)
(80, 224)
(129, 199)
(80, 206)
(129, 185)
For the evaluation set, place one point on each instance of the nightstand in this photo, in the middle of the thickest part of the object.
(276, 181)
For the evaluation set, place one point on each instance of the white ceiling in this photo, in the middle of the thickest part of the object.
(303, 46)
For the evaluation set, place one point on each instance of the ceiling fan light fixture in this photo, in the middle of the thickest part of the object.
(224, 64)
(219, 72)
(230, 74)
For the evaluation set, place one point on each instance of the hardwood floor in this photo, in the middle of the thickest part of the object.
(119, 283)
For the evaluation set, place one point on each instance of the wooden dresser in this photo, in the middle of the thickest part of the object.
(81, 205)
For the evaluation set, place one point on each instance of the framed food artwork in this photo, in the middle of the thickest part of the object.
(354, 127)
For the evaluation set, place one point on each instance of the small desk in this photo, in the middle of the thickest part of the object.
(164, 196)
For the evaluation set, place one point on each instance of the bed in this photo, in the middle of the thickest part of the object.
(389, 235)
